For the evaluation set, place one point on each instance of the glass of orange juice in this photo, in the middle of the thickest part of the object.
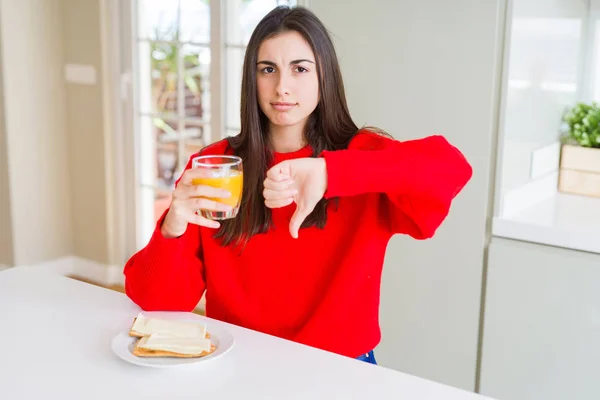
(223, 172)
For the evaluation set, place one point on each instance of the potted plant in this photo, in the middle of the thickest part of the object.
(580, 152)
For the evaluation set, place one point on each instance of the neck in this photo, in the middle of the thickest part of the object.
(286, 139)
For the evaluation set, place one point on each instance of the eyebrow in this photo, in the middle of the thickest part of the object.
(291, 62)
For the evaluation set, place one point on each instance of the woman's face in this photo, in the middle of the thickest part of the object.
(286, 78)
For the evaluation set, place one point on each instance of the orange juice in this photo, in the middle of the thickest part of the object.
(233, 183)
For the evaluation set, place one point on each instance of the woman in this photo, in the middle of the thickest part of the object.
(321, 199)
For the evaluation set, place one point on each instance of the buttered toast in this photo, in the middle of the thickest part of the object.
(154, 346)
(166, 338)
(144, 326)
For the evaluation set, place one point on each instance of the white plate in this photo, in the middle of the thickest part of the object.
(122, 346)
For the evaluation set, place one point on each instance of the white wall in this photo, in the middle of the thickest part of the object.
(85, 126)
(6, 246)
(414, 69)
(35, 128)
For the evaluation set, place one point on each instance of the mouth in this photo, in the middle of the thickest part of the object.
(282, 105)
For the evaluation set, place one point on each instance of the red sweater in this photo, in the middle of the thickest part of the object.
(323, 288)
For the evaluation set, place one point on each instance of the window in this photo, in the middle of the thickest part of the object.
(187, 62)
(552, 62)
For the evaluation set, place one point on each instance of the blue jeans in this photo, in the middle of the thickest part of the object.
(368, 357)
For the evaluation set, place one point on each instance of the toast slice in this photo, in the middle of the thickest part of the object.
(145, 326)
(179, 347)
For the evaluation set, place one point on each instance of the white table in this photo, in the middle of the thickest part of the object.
(55, 343)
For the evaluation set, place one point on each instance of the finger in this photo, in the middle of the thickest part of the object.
(200, 220)
(207, 204)
(206, 191)
(277, 185)
(302, 211)
(279, 203)
(190, 174)
(280, 172)
(269, 194)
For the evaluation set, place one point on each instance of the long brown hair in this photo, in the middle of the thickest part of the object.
(329, 127)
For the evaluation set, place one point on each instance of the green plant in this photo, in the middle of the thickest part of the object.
(164, 56)
(583, 122)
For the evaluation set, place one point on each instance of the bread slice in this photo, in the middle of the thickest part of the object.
(144, 326)
(179, 347)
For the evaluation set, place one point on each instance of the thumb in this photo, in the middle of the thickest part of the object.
(298, 218)
(280, 171)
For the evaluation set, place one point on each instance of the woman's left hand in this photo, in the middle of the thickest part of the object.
(302, 181)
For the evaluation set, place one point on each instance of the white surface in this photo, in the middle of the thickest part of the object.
(415, 68)
(542, 323)
(60, 333)
(545, 160)
(562, 220)
(518, 199)
(81, 74)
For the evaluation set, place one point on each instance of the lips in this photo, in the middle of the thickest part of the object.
(283, 105)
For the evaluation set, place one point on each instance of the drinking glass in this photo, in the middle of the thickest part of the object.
(224, 172)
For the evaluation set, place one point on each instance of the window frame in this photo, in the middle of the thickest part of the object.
(129, 230)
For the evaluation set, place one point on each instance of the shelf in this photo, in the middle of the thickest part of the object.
(561, 220)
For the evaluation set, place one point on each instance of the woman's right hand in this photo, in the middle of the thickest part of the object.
(187, 198)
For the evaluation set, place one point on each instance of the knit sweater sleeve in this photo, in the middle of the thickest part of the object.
(167, 274)
(417, 179)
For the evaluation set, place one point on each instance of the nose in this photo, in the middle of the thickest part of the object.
(283, 85)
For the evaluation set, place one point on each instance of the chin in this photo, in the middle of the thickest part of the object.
(282, 122)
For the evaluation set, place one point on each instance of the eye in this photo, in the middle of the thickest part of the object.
(300, 69)
(268, 70)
